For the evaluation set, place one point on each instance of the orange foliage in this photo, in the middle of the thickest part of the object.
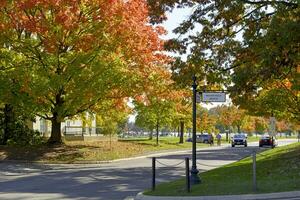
(126, 22)
(117, 26)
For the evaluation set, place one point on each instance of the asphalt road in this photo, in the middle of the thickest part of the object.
(109, 181)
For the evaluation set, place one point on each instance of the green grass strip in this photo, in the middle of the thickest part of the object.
(278, 170)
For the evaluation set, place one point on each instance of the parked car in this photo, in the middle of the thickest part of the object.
(202, 138)
(239, 139)
(267, 140)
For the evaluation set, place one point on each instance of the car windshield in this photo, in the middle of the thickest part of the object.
(265, 137)
(239, 136)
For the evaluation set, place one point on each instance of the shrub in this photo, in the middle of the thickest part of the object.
(21, 135)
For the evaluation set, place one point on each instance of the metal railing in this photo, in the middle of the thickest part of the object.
(81, 131)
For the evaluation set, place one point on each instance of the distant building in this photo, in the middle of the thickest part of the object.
(76, 126)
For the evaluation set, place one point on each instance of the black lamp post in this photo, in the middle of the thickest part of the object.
(194, 171)
(181, 130)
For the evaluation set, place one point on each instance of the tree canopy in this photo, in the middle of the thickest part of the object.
(69, 55)
(243, 45)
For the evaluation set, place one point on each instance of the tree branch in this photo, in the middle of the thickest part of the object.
(44, 116)
(289, 4)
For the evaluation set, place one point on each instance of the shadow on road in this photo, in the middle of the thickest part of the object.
(91, 183)
(107, 181)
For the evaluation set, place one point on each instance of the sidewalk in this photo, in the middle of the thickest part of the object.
(295, 195)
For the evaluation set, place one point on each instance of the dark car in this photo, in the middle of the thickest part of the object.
(267, 140)
(239, 139)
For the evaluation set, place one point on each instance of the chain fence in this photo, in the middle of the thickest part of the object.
(166, 165)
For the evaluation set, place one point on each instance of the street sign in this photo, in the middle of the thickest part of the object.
(213, 97)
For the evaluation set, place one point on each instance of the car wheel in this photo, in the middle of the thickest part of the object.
(260, 145)
(232, 145)
(245, 145)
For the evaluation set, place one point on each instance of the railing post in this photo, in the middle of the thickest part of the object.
(187, 174)
(153, 173)
(254, 171)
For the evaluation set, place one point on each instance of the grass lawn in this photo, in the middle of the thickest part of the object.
(165, 143)
(277, 170)
(72, 152)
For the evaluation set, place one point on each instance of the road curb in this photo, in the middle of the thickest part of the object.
(269, 196)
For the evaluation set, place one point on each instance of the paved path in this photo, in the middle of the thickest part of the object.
(110, 181)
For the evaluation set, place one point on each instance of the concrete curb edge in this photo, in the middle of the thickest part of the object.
(281, 195)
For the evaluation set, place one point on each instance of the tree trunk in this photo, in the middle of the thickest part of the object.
(157, 126)
(239, 128)
(8, 123)
(151, 134)
(55, 137)
(227, 134)
(181, 132)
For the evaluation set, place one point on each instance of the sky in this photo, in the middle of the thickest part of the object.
(174, 20)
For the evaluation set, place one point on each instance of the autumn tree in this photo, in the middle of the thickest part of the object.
(111, 117)
(205, 121)
(145, 120)
(225, 119)
(156, 106)
(261, 125)
(248, 124)
(238, 117)
(13, 119)
(154, 114)
(6, 112)
(252, 44)
(73, 54)
(182, 117)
